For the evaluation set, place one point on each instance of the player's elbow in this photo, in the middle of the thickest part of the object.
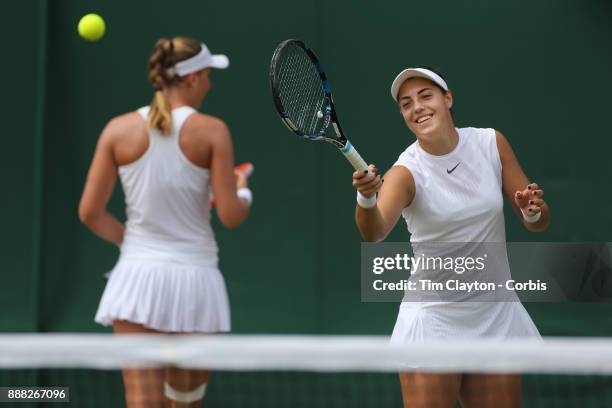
(87, 217)
(87, 214)
(372, 238)
(370, 235)
(371, 232)
(230, 222)
(231, 218)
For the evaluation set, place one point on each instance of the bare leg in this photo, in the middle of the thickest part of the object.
(420, 390)
(491, 390)
(185, 381)
(143, 387)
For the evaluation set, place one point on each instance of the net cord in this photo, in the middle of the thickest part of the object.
(304, 353)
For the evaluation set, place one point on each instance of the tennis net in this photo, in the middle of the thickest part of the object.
(304, 371)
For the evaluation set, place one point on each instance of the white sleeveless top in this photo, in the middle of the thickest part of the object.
(458, 195)
(459, 199)
(167, 201)
(167, 276)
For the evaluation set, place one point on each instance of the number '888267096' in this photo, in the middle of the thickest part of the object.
(34, 394)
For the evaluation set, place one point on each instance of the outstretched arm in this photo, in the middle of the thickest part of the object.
(395, 194)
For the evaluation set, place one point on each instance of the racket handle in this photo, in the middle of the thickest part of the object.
(246, 167)
(353, 156)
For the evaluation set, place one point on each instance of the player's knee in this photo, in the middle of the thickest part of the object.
(185, 397)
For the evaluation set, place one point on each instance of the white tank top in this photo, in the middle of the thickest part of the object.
(457, 210)
(166, 195)
(458, 195)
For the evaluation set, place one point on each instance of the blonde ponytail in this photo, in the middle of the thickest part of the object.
(166, 54)
(160, 117)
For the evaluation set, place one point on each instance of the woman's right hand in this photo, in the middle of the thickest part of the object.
(231, 209)
(367, 182)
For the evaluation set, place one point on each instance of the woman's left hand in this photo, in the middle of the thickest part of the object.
(530, 199)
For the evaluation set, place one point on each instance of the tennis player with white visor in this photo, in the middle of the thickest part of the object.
(168, 157)
(449, 186)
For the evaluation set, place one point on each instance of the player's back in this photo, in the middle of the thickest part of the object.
(166, 193)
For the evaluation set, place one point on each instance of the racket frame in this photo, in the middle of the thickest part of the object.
(328, 110)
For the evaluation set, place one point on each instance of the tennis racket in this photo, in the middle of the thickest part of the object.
(302, 96)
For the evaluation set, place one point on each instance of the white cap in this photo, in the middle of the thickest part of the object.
(204, 59)
(415, 73)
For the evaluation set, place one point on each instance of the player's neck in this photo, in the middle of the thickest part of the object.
(440, 143)
(176, 99)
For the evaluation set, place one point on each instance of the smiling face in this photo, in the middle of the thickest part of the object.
(425, 107)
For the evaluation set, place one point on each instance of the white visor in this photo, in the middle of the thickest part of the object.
(204, 59)
(415, 73)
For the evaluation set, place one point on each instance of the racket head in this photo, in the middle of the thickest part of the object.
(302, 95)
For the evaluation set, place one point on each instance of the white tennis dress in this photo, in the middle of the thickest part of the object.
(167, 276)
(459, 200)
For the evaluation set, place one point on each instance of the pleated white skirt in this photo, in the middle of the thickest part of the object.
(166, 296)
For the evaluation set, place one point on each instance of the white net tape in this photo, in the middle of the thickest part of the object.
(304, 353)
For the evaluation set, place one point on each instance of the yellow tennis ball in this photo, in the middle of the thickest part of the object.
(91, 27)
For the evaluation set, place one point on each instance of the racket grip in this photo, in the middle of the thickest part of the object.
(353, 156)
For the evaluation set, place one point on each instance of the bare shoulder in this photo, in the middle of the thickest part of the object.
(400, 180)
(501, 139)
(211, 127)
(201, 135)
(503, 146)
(398, 189)
(127, 124)
(400, 174)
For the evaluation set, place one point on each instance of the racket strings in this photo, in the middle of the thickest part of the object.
(296, 89)
(300, 89)
(286, 76)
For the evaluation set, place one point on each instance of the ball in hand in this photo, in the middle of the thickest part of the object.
(91, 27)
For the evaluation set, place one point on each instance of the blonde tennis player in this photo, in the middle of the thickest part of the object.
(449, 187)
(167, 156)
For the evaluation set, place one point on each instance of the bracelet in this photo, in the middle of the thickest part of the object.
(364, 202)
(531, 218)
(245, 193)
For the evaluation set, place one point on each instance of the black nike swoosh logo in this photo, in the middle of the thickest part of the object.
(453, 169)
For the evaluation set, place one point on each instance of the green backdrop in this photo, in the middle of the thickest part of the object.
(536, 70)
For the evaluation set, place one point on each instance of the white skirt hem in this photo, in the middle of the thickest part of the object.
(430, 321)
(166, 297)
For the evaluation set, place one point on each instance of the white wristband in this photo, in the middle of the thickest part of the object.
(245, 193)
(364, 202)
(531, 218)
